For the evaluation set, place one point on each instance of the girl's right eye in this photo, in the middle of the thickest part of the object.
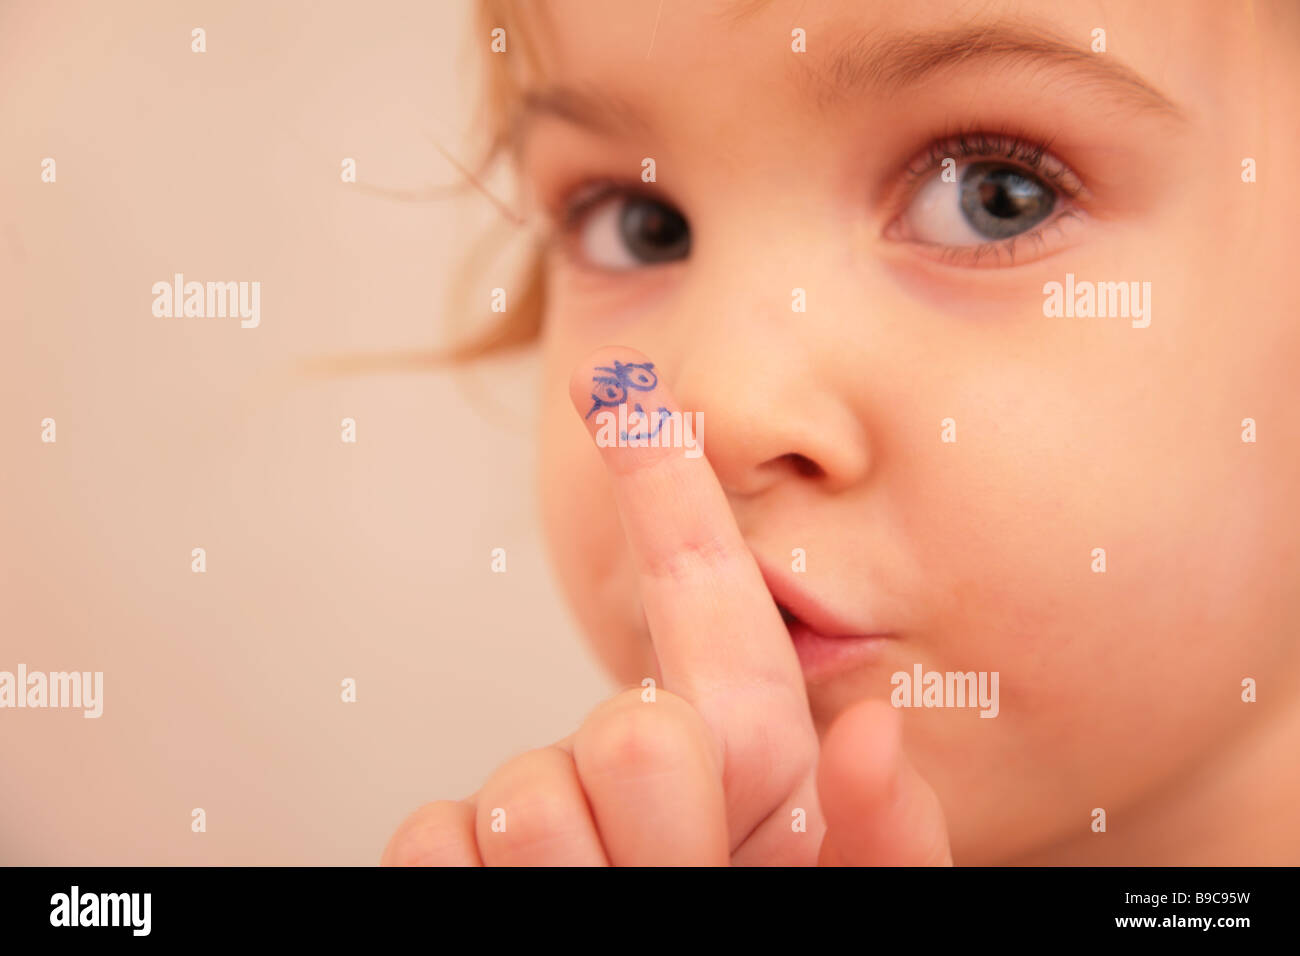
(619, 229)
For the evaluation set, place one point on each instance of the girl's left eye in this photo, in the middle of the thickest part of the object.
(990, 201)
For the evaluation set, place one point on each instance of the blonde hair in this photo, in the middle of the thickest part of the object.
(504, 80)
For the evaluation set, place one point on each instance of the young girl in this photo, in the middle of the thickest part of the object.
(984, 318)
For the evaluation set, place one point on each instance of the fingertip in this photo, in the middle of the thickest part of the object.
(610, 376)
(861, 752)
(437, 834)
(879, 811)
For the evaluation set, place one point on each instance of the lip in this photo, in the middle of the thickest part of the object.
(827, 642)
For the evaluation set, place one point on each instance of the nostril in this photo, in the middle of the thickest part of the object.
(804, 466)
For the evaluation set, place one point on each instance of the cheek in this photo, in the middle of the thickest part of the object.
(1080, 556)
(1125, 675)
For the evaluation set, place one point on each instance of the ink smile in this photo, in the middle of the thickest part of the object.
(826, 643)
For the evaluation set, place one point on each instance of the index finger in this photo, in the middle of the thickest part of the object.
(713, 622)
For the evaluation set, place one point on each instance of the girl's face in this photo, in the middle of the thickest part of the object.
(832, 427)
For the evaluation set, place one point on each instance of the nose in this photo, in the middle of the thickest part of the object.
(775, 409)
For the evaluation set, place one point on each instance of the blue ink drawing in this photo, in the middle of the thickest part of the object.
(664, 414)
(611, 390)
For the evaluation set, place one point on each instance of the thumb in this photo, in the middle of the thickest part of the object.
(879, 812)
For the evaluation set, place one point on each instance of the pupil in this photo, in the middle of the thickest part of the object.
(1003, 200)
(1000, 201)
(654, 232)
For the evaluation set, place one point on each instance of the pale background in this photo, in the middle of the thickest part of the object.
(325, 560)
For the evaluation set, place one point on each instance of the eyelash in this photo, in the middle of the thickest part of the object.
(1033, 154)
(569, 213)
(566, 214)
(974, 144)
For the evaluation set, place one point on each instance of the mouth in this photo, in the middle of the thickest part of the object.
(826, 643)
(823, 656)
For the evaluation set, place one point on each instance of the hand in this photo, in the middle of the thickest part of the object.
(716, 769)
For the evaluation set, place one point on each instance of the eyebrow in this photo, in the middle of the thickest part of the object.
(884, 65)
(591, 107)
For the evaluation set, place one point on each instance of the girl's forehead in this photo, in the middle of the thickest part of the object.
(645, 37)
(632, 70)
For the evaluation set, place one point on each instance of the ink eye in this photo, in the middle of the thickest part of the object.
(643, 379)
(989, 201)
(619, 229)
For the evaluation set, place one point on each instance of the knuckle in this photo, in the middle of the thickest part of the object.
(627, 735)
(434, 834)
(537, 792)
(694, 557)
(534, 811)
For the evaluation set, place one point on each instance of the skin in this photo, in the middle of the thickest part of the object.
(1119, 690)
